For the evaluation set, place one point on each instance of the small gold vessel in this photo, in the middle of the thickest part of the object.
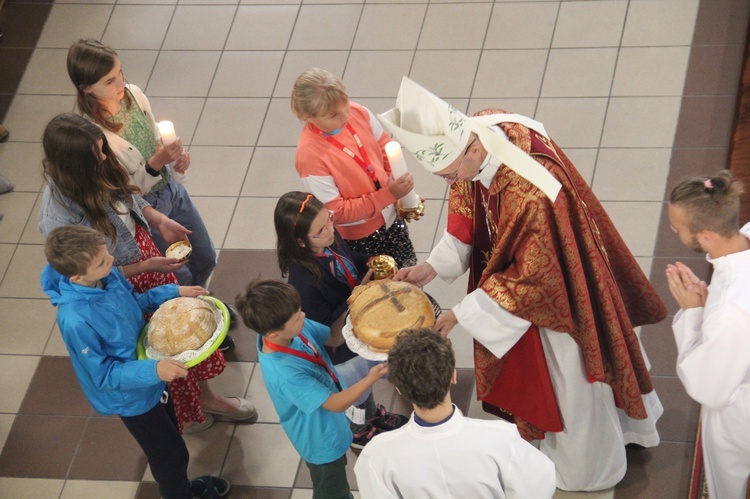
(383, 266)
(180, 250)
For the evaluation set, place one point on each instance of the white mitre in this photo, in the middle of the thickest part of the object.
(437, 134)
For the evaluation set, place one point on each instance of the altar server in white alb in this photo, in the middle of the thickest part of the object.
(440, 453)
(712, 327)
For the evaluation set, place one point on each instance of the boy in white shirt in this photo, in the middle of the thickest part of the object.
(440, 453)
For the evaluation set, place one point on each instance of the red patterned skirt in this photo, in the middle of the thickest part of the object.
(185, 391)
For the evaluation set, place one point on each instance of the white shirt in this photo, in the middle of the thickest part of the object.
(460, 458)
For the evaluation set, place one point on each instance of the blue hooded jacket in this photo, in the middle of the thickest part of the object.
(100, 328)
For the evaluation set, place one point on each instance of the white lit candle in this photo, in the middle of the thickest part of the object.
(168, 136)
(399, 169)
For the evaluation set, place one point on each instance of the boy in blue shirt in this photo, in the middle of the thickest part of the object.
(302, 382)
(100, 318)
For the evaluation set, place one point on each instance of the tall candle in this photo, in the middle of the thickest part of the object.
(168, 136)
(399, 169)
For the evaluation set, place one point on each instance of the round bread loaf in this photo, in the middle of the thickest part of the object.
(181, 324)
(380, 310)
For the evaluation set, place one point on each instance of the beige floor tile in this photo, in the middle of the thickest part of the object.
(389, 27)
(231, 76)
(137, 65)
(475, 408)
(280, 126)
(21, 163)
(217, 171)
(55, 345)
(667, 22)
(184, 112)
(463, 346)
(189, 20)
(20, 369)
(208, 449)
(579, 72)
(29, 114)
(152, 22)
(429, 69)
(26, 325)
(6, 253)
(16, 208)
(112, 490)
(646, 178)
(245, 115)
(521, 26)
(69, 23)
(6, 421)
(362, 81)
(325, 27)
(46, 73)
(285, 2)
(209, 2)
(590, 23)
(31, 234)
(651, 71)
(22, 277)
(573, 122)
(296, 61)
(447, 294)
(646, 264)
(235, 380)
(493, 80)
(454, 26)
(262, 27)
(87, 1)
(584, 160)
(155, 2)
(272, 173)
(301, 494)
(31, 488)
(637, 223)
(259, 395)
(183, 73)
(641, 122)
(216, 212)
(249, 462)
(422, 232)
(252, 225)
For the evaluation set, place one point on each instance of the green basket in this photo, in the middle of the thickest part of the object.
(141, 350)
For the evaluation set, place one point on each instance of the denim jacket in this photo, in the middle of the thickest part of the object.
(57, 210)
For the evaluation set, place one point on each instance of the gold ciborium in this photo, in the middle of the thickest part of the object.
(383, 266)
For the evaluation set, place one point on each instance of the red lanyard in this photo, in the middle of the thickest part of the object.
(317, 359)
(350, 279)
(363, 162)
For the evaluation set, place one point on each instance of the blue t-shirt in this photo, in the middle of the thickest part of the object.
(298, 390)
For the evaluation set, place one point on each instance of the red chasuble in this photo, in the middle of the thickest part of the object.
(561, 266)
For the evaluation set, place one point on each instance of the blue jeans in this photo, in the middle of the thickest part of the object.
(173, 201)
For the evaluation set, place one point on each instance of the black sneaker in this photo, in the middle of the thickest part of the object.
(209, 487)
(387, 421)
(362, 439)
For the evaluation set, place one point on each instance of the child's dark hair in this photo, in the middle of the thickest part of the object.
(421, 365)
(88, 62)
(293, 216)
(70, 249)
(267, 304)
(711, 203)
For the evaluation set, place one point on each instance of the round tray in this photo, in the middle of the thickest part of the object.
(143, 339)
(363, 349)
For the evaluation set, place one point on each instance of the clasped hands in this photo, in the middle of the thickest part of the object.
(686, 288)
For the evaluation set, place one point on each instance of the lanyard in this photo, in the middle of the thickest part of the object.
(317, 359)
(350, 279)
(363, 162)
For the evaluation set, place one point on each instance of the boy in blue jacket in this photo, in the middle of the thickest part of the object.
(100, 318)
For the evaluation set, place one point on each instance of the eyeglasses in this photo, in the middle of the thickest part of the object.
(328, 223)
(452, 177)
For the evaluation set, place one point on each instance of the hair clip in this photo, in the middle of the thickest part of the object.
(304, 203)
(708, 184)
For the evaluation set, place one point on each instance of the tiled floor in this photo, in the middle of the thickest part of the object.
(638, 92)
